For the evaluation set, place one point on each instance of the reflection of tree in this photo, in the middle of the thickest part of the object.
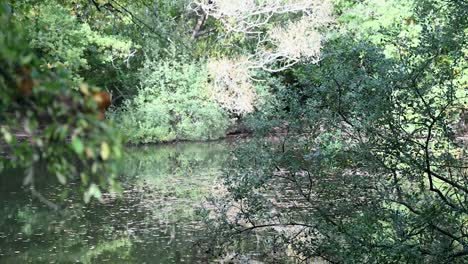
(172, 180)
(122, 246)
(33, 234)
(154, 216)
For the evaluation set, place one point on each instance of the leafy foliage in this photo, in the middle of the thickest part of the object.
(380, 175)
(173, 103)
(62, 39)
(41, 113)
(372, 168)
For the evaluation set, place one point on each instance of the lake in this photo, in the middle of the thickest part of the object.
(152, 221)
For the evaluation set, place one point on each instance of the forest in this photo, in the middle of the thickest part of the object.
(221, 131)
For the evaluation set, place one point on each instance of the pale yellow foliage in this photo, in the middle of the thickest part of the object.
(246, 16)
(286, 42)
(299, 40)
(280, 43)
(233, 8)
(231, 85)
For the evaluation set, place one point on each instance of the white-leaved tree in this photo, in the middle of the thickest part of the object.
(284, 33)
(231, 85)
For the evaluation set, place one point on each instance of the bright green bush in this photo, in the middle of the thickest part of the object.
(173, 103)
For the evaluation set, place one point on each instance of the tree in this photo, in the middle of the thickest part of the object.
(274, 35)
(380, 176)
(46, 122)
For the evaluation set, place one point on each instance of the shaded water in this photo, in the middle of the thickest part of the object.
(153, 222)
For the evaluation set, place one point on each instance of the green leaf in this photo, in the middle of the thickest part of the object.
(117, 151)
(7, 135)
(26, 59)
(84, 178)
(93, 191)
(105, 151)
(77, 145)
(29, 176)
(62, 179)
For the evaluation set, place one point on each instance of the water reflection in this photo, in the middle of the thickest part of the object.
(153, 221)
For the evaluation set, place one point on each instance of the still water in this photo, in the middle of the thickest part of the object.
(154, 220)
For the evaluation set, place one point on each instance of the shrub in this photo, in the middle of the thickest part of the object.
(173, 103)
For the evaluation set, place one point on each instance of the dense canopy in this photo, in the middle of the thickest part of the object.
(356, 113)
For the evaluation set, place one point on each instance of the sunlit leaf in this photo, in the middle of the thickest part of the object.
(105, 151)
(84, 88)
(6, 135)
(77, 145)
(93, 191)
